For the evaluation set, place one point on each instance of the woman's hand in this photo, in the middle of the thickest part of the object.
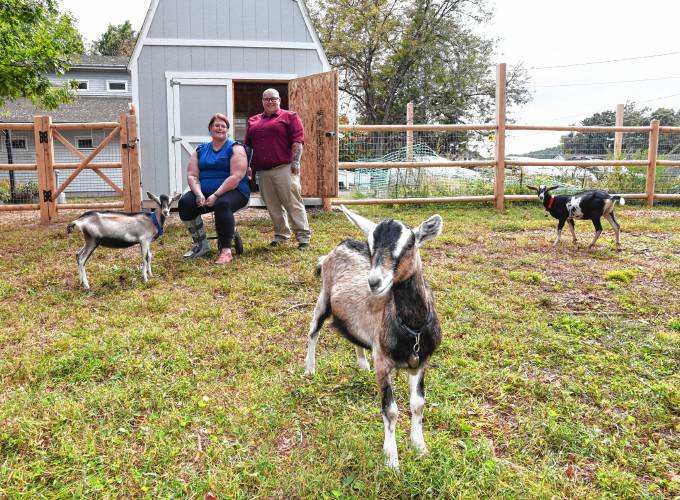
(200, 200)
(210, 201)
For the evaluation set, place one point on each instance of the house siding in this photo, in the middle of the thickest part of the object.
(97, 82)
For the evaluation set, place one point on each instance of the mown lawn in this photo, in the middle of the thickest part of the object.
(558, 373)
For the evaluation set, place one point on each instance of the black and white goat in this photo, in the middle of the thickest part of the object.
(379, 300)
(122, 230)
(589, 205)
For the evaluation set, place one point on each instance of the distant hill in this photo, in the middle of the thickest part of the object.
(551, 152)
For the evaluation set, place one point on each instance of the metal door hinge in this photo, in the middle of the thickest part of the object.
(43, 136)
(47, 195)
(175, 139)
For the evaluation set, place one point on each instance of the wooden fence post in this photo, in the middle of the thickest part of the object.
(618, 136)
(499, 184)
(651, 166)
(409, 133)
(51, 181)
(133, 162)
(41, 166)
(125, 164)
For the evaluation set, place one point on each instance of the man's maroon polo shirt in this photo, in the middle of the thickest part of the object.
(272, 138)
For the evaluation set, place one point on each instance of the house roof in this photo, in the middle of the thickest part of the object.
(83, 110)
(101, 62)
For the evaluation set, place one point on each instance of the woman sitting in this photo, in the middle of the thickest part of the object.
(217, 181)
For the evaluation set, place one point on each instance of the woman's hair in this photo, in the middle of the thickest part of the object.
(218, 116)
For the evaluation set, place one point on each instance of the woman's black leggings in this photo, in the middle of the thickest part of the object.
(224, 209)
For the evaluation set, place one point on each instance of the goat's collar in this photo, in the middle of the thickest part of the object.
(159, 228)
(550, 202)
(416, 333)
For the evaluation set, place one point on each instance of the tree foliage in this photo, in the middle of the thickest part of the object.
(599, 143)
(390, 52)
(117, 40)
(35, 40)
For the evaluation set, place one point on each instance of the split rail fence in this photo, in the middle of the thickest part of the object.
(500, 162)
(46, 167)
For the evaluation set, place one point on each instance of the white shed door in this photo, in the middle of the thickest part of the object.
(192, 102)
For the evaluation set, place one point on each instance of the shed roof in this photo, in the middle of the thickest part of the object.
(83, 110)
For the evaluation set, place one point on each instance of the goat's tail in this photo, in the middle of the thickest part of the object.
(620, 199)
(319, 265)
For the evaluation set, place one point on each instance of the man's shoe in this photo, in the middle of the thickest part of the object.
(303, 245)
(276, 243)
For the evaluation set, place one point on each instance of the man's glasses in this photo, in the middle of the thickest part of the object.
(270, 99)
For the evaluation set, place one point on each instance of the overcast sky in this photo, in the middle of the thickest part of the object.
(541, 33)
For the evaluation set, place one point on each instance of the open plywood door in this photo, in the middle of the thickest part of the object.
(315, 99)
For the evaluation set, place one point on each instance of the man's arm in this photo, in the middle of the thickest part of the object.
(297, 154)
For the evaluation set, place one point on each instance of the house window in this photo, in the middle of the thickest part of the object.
(19, 142)
(84, 142)
(83, 84)
(117, 85)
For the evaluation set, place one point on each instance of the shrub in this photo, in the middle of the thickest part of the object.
(5, 194)
(622, 275)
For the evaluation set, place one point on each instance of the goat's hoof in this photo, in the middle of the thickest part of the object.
(392, 463)
(309, 373)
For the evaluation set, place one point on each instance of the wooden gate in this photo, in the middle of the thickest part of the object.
(124, 131)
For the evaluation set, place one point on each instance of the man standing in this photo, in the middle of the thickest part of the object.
(276, 137)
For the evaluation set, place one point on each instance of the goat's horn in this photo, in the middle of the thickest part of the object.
(552, 187)
(532, 187)
(362, 223)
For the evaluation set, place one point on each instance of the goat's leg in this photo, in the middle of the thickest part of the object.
(146, 259)
(390, 412)
(83, 256)
(416, 385)
(321, 311)
(572, 228)
(560, 226)
(598, 232)
(361, 358)
(616, 226)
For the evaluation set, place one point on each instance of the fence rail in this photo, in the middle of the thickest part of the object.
(121, 136)
(495, 168)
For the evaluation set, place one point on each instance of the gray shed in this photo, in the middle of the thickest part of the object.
(197, 57)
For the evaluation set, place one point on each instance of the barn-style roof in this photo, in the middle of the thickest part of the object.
(83, 110)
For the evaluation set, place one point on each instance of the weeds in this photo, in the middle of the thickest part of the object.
(547, 383)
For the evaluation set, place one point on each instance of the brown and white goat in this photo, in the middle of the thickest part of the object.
(379, 300)
(122, 230)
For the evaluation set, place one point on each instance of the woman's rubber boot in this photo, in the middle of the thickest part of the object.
(197, 231)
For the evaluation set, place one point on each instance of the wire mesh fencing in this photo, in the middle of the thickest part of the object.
(422, 148)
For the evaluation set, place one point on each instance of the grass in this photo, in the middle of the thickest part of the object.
(549, 382)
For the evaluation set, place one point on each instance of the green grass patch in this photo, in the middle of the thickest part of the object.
(621, 275)
(545, 385)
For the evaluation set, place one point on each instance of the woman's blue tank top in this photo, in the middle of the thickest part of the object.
(214, 167)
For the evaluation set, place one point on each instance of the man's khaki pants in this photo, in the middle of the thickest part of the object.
(280, 190)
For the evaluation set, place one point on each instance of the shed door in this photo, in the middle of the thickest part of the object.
(194, 101)
(315, 99)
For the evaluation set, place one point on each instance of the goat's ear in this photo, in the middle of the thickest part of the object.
(175, 198)
(362, 223)
(552, 187)
(154, 198)
(429, 229)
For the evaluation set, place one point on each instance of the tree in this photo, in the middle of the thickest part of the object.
(390, 52)
(117, 40)
(36, 40)
(602, 143)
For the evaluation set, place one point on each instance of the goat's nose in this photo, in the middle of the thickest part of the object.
(374, 283)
